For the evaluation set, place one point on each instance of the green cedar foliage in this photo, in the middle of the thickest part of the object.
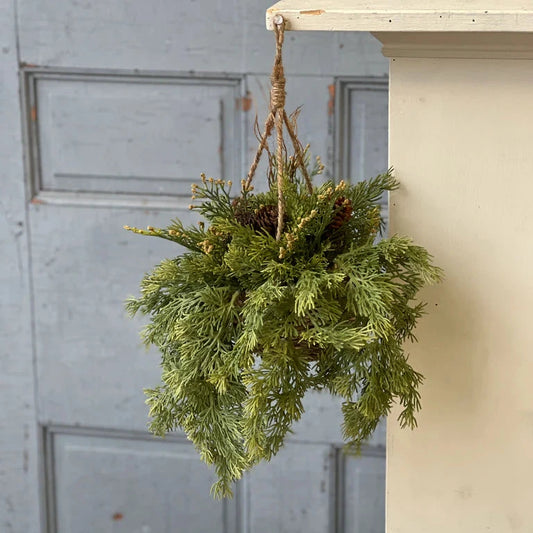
(246, 325)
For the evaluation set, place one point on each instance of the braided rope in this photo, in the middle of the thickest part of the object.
(277, 117)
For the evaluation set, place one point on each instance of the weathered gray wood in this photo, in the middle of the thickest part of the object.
(111, 98)
(313, 95)
(363, 494)
(88, 350)
(292, 492)
(106, 484)
(19, 483)
(133, 134)
(362, 128)
(179, 36)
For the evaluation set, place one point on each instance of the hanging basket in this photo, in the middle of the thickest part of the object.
(279, 293)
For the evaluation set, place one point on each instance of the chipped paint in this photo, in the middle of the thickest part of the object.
(331, 101)
(312, 12)
(245, 103)
(25, 460)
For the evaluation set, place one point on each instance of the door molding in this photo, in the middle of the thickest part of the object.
(341, 139)
(233, 510)
(31, 76)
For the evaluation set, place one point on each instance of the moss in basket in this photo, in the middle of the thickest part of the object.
(246, 324)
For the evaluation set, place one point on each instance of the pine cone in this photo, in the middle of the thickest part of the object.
(243, 214)
(266, 218)
(263, 218)
(342, 213)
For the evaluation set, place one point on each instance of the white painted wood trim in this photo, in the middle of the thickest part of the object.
(413, 15)
(454, 53)
(460, 45)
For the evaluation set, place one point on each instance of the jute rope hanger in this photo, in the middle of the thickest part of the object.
(277, 117)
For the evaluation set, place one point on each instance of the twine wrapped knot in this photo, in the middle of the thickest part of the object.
(277, 78)
(277, 117)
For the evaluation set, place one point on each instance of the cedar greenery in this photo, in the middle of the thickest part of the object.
(247, 324)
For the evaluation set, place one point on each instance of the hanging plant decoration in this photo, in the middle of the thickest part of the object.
(279, 293)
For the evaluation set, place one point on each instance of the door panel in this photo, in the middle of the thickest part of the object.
(129, 137)
(361, 133)
(293, 492)
(91, 366)
(122, 483)
(141, 135)
(361, 497)
(362, 127)
(368, 126)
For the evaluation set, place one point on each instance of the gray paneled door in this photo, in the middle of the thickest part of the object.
(109, 111)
